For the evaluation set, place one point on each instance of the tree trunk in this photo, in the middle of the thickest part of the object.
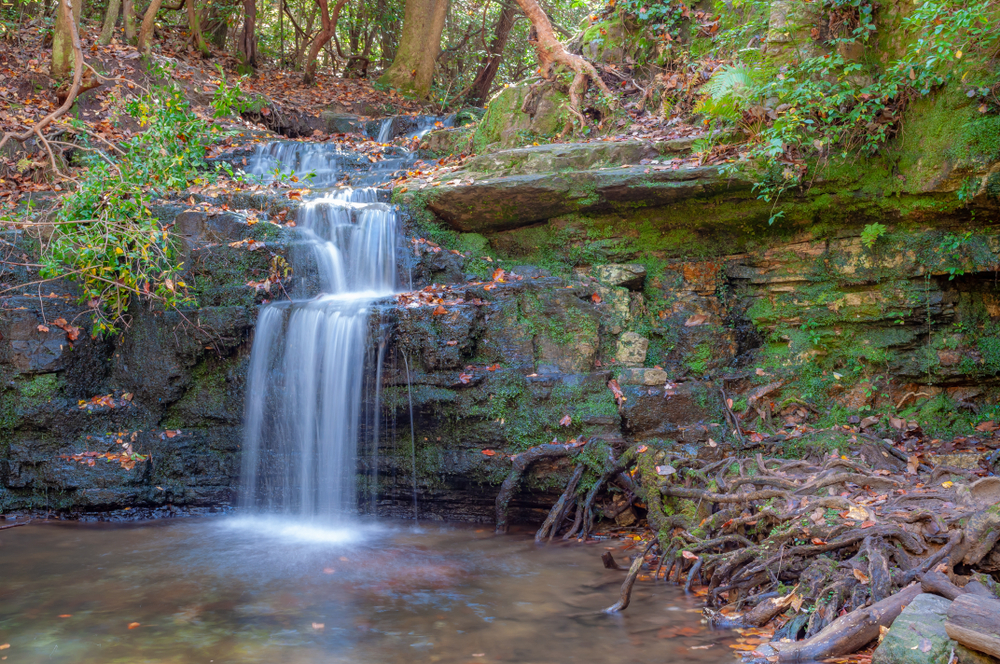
(195, 29)
(110, 18)
(128, 19)
(145, 41)
(480, 91)
(62, 38)
(248, 37)
(412, 71)
(329, 23)
(551, 52)
(974, 621)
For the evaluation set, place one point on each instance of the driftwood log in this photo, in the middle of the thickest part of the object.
(849, 633)
(974, 621)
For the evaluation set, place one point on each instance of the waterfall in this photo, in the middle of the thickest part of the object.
(314, 163)
(305, 395)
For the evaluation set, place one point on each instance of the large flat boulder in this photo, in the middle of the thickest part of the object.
(506, 202)
(918, 636)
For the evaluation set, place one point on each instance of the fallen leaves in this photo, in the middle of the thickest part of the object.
(566, 421)
(133, 625)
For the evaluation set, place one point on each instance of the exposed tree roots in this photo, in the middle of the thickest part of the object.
(832, 548)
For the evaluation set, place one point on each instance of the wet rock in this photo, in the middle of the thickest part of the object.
(631, 350)
(615, 307)
(342, 123)
(656, 412)
(918, 636)
(566, 339)
(630, 276)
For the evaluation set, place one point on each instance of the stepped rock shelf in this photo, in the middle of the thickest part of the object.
(671, 281)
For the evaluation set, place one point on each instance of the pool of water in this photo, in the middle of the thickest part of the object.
(239, 589)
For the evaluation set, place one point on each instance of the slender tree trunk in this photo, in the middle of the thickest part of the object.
(128, 19)
(199, 40)
(248, 38)
(551, 52)
(329, 23)
(110, 18)
(387, 34)
(62, 38)
(145, 41)
(412, 70)
(480, 91)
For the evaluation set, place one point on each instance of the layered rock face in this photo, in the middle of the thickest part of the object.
(171, 387)
(621, 261)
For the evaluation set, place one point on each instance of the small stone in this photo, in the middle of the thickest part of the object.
(648, 377)
(630, 276)
(949, 358)
(632, 349)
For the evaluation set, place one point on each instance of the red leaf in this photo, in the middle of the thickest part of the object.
(595, 298)
(489, 453)
(464, 378)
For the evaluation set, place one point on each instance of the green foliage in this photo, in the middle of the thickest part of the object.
(105, 236)
(872, 233)
(229, 99)
(829, 104)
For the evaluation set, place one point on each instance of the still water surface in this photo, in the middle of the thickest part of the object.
(235, 589)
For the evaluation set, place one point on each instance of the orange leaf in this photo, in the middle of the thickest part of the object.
(565, 421)
(867, 524)
(595, 298)
(489, 453)
(689, 555)
(133, 625)
(439, 311)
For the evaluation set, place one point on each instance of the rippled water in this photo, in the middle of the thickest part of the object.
(252, 590)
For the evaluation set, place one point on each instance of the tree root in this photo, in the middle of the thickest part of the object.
(633, 572)
(520, 463)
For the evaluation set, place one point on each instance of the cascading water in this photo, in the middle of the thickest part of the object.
(307, 368)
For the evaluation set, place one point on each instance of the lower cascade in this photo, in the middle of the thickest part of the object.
(305, 407)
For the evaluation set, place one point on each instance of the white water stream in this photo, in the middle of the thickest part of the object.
(306, 387)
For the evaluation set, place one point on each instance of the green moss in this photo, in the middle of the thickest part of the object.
(698, 361)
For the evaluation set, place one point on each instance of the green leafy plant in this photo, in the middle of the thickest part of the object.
(872, 233)
(105, 235)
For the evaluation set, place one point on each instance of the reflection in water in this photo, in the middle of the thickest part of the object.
(257, 590)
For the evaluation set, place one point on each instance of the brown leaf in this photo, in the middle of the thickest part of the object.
(861, 576)
(133, 625)
(42, 328)
(595, 298)
(464, 378)
(696, 320)
(439, 311)
(565, 421)
(689, 555)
